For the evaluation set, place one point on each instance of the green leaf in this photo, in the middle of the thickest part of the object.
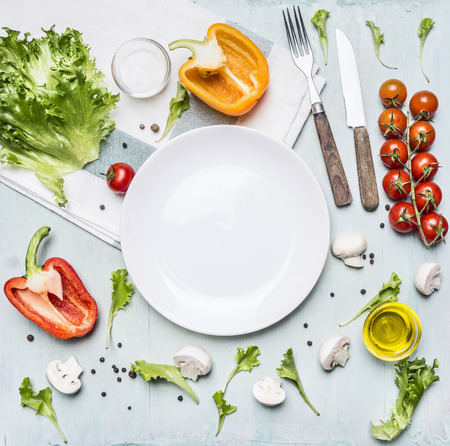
(378, 39)
(223, 408)
(41, 402)
(120, 296)
(170, 373)
(425, 27)
(388, 293)
(177, 104)
(288, 370)
(245, 361)
(412, 378)
(319, 21)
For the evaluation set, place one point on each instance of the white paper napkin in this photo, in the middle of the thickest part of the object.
(280, 113)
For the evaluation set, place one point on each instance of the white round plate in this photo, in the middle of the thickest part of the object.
(224, 230)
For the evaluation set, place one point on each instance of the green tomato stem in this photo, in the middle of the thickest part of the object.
(30, 260)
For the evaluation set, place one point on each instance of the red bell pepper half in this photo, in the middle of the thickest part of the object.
(52, 295)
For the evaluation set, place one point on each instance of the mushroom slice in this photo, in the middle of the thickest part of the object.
(269, 392)
(193, 361)
(334, 351)
(349, 247)
(428, 277)
(63, 376)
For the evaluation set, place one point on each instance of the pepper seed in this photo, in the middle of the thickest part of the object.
(30, 337)
(154, 128)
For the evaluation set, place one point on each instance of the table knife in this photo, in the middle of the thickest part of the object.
(356, 118)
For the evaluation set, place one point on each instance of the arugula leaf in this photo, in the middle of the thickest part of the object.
(121, 295)
(378, 39)
(425, 27)
(412, 377)
(223, 408)
(53, 111)
(388, 293)
(177, 104)
(319, 21)
(170, 373)
(288, 370)
(41, 402)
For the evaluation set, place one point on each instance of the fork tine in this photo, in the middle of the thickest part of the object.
(293, 35)
(288, 33)
(299, 31)
(307, 46)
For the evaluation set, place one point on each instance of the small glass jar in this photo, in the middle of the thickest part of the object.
(392, 331)
(141, 67)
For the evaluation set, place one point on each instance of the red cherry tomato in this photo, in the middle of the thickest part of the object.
(423, 105)
(428, 196)
(435, 227)
(394, 153)
(402, 217)
(119, 177)
(421, 135)
(393, 93)
(397, 184)
(392, 123)
(424, 166)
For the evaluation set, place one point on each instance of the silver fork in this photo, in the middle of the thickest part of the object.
(304, 59)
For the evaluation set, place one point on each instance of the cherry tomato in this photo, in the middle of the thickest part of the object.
(119, 177)
(397, 184)
(393, 93)
(424, 166)
(394, 153)
(421, 135)
(392, 123)
(435, 227)
(423, 105)
(402, 217)
(428, 196)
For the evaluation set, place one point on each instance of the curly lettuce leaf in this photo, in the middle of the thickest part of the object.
(53, 111)
(319, 21)
(378, 39)
(425, 27)
(223, 408)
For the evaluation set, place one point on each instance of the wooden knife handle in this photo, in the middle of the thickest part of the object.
(338, 180)
(366, 173)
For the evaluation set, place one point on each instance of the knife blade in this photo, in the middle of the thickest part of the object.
(356, 118)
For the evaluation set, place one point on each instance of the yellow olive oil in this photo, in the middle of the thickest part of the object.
(392, 331)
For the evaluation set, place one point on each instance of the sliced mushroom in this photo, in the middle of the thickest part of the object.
(193, 361)
(349, 247)
(428, 278)
(63, 376)
(334, 351)
(269, 392)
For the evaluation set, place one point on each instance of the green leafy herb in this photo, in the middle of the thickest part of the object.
(177, 104)
(412, 378)
(41, 402)
(53, 112)
(289, 371)
(388, 293)
(168, 372)
(425, 28)
(121, 294)
(378, 39)
(245, 361)
(319, 21)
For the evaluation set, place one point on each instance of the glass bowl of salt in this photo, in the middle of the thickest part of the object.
(141, 67)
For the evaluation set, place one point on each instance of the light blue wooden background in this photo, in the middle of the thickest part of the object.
(347, 398)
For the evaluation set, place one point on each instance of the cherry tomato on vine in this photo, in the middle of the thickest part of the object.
(119, 177)
(435, 227)
(402, 217)
(424, 166)
(397, 184)
(393, 93)
(392, 123)
(394, 153)
(421, 135)
(423, 105)
(428, 196)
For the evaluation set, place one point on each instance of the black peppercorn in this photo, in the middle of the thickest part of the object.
(363, 291)
(102, 207)
(124, 145)
(129, 407)
(93, 371)
(132, 374)
(119, 379)
(309, 343)
(180, 398)
(381, 225)
(30, 337)
(305, 325)
(364, 257)
(154, 128)
(387, 207)
(142, 126)
(371, 261)
(119, 345)
(332, 294)
(124, 369)
(103, 394)
(102, 359)
(371, 255)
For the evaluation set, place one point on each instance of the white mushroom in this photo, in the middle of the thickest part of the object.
(334, 351)
(269, 392)
(349, 247)
(193, 361)
(428, 277)
(63, 376)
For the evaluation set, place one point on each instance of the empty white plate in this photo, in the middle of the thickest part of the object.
(224, 230)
